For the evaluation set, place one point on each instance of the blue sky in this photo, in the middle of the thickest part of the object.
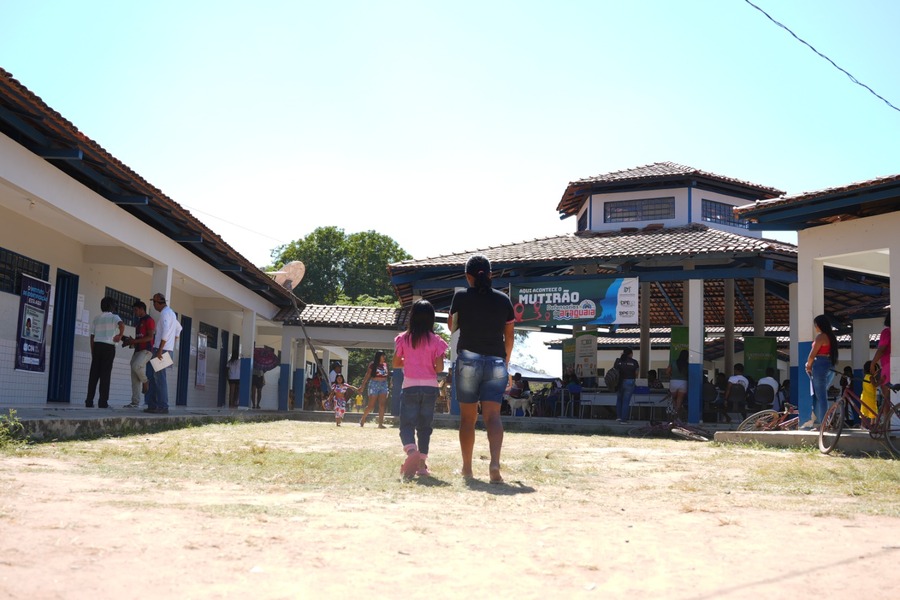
(455, 126)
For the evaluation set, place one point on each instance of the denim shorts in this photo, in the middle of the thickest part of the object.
(479, 378)
(377, 387)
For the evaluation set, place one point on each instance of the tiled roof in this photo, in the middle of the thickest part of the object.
(592, 253)
(368, 317)
(747, 210)
(627, 253)
(660, 172)
(27, 119)
(688, 241)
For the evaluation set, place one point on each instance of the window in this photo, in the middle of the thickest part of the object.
(722, 214)
(646, 209)
(124, 305)
(211, 333)
(13, 266)
(582, 221)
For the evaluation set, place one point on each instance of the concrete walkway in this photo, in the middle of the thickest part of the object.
(67, 422)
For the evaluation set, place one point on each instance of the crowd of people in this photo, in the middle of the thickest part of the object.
(484, 385)
(153, 346)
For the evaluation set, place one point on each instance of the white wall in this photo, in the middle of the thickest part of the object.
(49, 217)
(682, 215)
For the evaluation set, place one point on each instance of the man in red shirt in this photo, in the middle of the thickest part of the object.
(142, 343)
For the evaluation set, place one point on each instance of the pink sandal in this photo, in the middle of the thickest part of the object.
(411, 464)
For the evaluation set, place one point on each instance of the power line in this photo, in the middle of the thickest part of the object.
(260, 234)
(805, 43)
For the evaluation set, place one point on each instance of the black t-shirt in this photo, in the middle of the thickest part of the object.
(628, 368)
(481, 320)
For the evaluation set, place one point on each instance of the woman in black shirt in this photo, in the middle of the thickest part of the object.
(485, 319)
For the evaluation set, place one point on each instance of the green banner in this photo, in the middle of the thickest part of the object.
(679, 342)
(759, 354)
(583, 302)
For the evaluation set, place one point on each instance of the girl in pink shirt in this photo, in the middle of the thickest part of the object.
(420, 353)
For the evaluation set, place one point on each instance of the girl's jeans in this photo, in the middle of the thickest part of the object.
(822, 375)
(417, 415)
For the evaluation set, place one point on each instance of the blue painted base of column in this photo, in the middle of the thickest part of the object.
(695, 393)
(284, 387)
(244, 390)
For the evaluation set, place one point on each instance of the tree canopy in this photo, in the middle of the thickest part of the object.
(342, 268)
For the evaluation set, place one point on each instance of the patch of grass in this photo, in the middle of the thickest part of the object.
(281, 459)
(12, 432)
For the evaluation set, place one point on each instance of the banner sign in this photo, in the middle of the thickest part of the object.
(759, 353)
(586, 358)
(679, 342)
(33, 307)
(582, 302)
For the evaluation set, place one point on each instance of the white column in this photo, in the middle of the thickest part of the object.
(248, 342)
(894, 248)
(696, 346)
(810, 303)
(162, 282)
(860, 351)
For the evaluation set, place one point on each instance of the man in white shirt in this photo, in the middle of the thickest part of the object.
(167, 330)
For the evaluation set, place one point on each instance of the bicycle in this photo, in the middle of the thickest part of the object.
(772, 420)
(673, 426)
(885, 425)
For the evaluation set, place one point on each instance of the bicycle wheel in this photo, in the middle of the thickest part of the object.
(764, 420)
(832, 425)
(690, 434)
(892, 430)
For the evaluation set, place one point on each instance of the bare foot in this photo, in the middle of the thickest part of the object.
(495, 474)
(467, 473)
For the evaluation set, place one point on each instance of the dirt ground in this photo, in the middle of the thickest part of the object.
(578, 516)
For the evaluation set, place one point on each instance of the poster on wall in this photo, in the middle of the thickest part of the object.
(200, 383)
(583, 302)
(31, 327)
(759, 354)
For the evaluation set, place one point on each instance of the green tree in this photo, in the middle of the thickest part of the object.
(345, 269)
(323, 252)
(367, 258)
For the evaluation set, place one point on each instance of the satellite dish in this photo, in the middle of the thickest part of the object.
(290, 275)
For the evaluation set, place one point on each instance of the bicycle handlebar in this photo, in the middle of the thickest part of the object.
(895, 387)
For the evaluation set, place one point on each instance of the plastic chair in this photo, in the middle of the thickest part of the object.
(736, 399)
(764, 396)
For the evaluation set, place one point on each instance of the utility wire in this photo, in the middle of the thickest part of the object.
(804, 42)
(260, 234)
